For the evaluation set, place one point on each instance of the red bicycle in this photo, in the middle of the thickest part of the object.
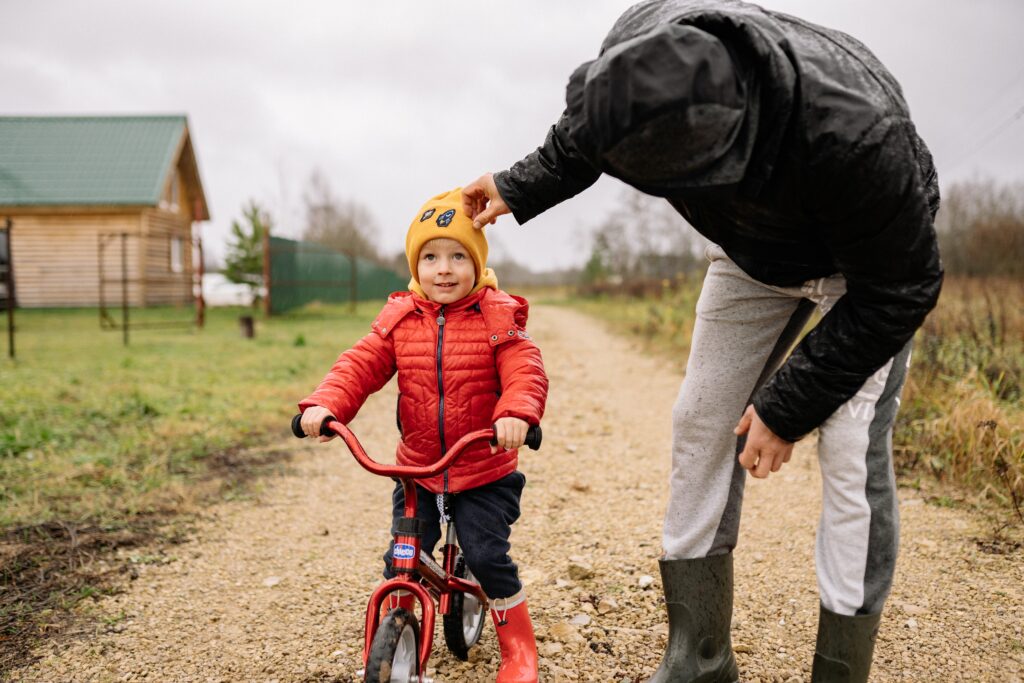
(396, 648)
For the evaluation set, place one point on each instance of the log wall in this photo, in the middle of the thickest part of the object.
(161, 284)
(56, 258)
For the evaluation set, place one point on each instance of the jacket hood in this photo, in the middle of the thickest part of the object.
(676, 97)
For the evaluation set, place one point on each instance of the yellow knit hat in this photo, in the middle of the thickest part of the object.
(442, 217)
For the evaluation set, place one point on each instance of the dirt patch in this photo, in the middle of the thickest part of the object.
(242, 465)
(47, 570)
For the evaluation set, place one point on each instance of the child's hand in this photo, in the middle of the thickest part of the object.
(511, 433)
(312, 418)
(764, 452)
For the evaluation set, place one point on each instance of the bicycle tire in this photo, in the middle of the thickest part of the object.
(394, 652)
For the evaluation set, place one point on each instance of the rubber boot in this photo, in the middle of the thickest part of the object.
(845, 647)
(515, 638)
(698, 595)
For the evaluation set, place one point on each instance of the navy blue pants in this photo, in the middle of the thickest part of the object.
(483, 519)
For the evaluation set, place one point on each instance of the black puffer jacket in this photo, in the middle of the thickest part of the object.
(788, 144)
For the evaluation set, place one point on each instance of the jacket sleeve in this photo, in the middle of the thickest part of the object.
(524, 384)
(553, 173)
(878, 227)
(358, 372)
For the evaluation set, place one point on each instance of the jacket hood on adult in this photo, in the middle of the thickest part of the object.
(668, 106)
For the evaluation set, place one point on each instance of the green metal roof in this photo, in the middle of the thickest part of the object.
(62, 160)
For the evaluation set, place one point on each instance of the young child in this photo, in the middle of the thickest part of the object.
(464, 362)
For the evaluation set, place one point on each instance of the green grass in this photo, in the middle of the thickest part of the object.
(93, 430)
(962, 419)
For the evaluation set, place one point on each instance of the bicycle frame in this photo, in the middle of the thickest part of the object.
(441, 584)
(409, 560)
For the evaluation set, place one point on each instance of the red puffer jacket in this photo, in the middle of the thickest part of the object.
(460, 367)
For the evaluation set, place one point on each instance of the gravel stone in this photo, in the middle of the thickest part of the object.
(579, 569)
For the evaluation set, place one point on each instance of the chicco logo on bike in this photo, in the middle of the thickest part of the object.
(404, 551)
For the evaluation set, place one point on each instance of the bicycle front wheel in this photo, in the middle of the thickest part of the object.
(394, 652)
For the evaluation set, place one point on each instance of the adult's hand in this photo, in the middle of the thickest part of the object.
(482, 202)
(764, 452)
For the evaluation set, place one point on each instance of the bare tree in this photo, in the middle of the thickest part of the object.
(345, 226)
(644, 238)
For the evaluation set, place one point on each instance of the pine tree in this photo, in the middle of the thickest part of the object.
(244, 261)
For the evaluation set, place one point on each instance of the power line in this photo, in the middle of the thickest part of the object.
(1017, 115)
(974, 123)
(997, 95)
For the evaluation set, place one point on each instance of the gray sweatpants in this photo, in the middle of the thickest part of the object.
(744, 331)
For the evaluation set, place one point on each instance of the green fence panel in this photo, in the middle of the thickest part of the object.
(301, 272)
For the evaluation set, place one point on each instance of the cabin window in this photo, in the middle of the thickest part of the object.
(177, 255)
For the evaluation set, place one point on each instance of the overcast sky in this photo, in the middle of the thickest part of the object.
(397, 101)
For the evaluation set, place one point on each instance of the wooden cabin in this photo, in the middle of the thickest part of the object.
(101, 208)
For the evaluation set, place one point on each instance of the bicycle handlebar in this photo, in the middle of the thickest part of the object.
(331, 427)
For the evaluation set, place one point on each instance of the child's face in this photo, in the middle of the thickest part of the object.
(445, 270)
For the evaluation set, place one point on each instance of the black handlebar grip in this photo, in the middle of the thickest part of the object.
(324, 429)
(533, 437)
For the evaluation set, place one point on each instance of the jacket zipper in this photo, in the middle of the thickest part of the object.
(440, 391)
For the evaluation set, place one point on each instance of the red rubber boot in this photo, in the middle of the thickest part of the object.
(515, 636)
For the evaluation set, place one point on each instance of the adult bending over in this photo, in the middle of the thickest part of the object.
(791, 148)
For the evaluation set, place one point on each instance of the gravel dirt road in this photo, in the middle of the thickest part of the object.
(273, 588)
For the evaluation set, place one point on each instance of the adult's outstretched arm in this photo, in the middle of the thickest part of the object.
(554, 172)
